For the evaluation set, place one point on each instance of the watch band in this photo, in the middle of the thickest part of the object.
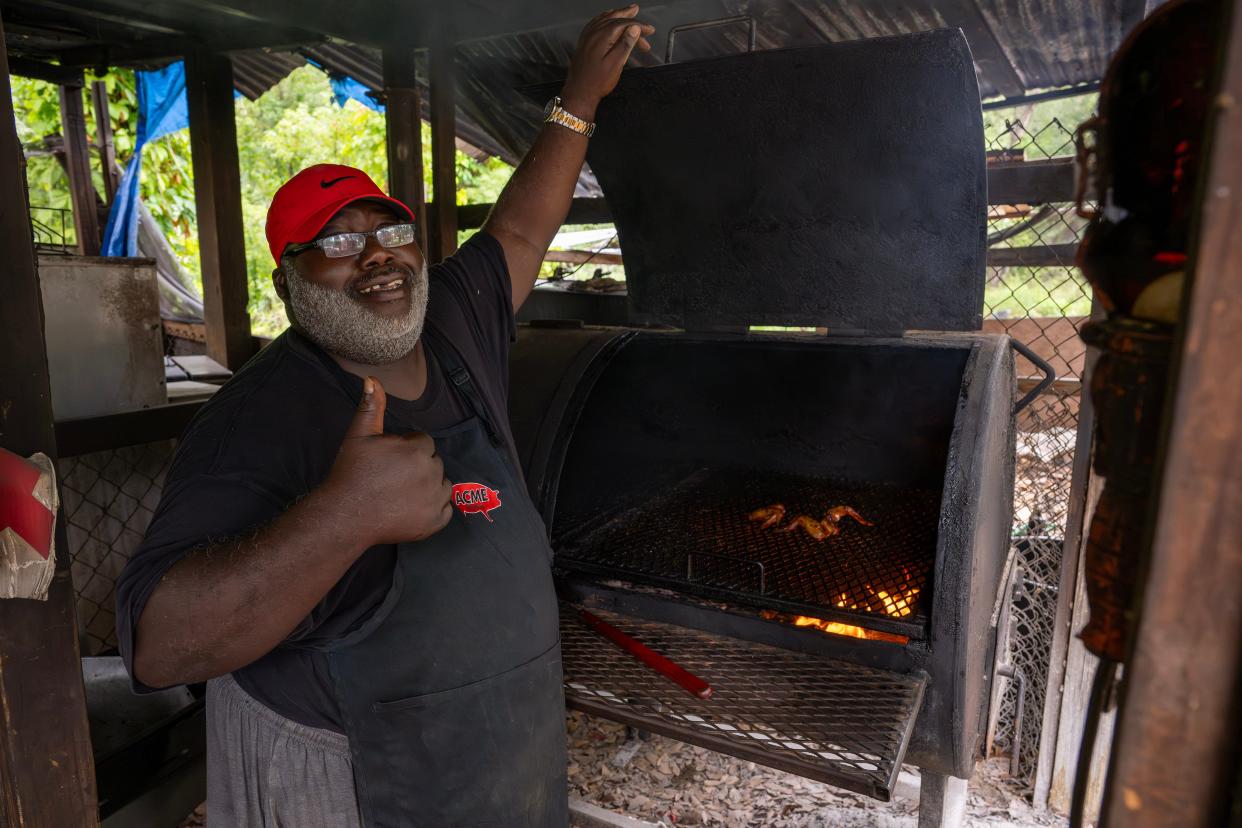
(562, 117)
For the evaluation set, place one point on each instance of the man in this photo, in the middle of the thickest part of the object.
(345, 548)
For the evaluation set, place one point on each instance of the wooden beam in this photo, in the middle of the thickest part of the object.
(103, 140)
(1053, 255)
(1045, 255)
(1071, 667)
(1009, 183)
(582, 257)
(1031, 182)
(78, 164)
(128, 428)
(1176, 758)
(581, 211)
(443, 152)
(162, 49)
(217, 196)
(47, 72)
(47, 773)
(404, 124)
(103, 18)
(318, 19)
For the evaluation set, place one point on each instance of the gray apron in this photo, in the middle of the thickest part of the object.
(451, 694)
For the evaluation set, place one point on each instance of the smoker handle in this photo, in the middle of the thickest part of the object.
(1049, 375)
(711, 24)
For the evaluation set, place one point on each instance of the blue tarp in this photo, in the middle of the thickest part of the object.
(345, 88)
(162, 109)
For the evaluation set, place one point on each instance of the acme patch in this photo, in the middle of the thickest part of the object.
(475, 497)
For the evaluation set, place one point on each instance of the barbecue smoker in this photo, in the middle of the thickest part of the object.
(838, 187)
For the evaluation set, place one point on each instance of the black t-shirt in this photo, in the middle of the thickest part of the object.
(270, 435)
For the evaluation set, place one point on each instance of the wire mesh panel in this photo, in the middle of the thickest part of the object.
(1035, 294)
(109, 498)
(823, 719)
(700, 534)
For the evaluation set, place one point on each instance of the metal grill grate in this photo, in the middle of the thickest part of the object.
(698, 536)
(823, 719)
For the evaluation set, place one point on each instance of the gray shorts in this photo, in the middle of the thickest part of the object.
(266, 771)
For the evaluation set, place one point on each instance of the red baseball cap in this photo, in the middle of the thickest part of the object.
(306, 202)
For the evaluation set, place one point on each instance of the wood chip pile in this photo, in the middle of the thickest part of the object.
(660, 780)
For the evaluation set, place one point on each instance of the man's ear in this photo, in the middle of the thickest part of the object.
(281, 285)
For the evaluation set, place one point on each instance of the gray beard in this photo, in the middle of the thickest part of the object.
(341, 325)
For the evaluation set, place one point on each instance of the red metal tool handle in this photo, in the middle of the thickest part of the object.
(689, 682)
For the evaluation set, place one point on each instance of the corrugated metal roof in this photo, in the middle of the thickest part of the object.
(1060, 42)
(1018, 45)
(257, 71)
(1037, 43)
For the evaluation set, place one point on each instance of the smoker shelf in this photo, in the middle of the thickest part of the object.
(697, 537)
(828, 720)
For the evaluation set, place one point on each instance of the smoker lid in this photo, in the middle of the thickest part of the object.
(840, 185)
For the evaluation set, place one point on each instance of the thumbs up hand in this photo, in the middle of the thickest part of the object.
(395, 484)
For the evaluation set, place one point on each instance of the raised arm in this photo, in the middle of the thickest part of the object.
(536, 200)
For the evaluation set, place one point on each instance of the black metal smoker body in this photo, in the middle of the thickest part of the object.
(838, 187)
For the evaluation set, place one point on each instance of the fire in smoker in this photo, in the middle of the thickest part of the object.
(834, 627)
(769, 516)
(898, 601)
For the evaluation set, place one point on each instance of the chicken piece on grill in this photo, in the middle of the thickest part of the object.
(818, 530)
(835, 514)
(768, 516)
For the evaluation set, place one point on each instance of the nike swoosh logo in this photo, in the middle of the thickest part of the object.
(327, 184)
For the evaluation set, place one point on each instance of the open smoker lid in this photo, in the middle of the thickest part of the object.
(840, 185)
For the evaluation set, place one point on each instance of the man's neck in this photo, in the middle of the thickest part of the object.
(405, 378)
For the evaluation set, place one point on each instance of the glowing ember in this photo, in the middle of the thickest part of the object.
(897, 602)
(834, 627)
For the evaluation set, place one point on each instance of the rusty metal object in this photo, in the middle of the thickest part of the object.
(1156, 88)
(1128, 389)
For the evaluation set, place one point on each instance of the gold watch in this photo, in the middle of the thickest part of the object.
(554, 113)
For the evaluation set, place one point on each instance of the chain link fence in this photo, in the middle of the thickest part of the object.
(108, 499)
(1036, 295)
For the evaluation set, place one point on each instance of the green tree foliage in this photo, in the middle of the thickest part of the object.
(167, 177)
(294, 125)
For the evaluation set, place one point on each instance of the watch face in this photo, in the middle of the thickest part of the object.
(551, 104)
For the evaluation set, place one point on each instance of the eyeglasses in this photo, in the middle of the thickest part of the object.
(340, 245)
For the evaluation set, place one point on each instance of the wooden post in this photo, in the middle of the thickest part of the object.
(942, 801)
(443, 153)
(1176, 760)
(1071, 667)
(217, 196)
(403, 120)
(47, 771)
(103, 139)
(78, 164)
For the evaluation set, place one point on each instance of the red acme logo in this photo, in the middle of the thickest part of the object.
(475, 497)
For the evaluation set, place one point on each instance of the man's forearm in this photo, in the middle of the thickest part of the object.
(536, 200)
(534, 204)
(224, 606)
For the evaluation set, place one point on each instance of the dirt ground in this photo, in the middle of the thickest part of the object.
(662, 781)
